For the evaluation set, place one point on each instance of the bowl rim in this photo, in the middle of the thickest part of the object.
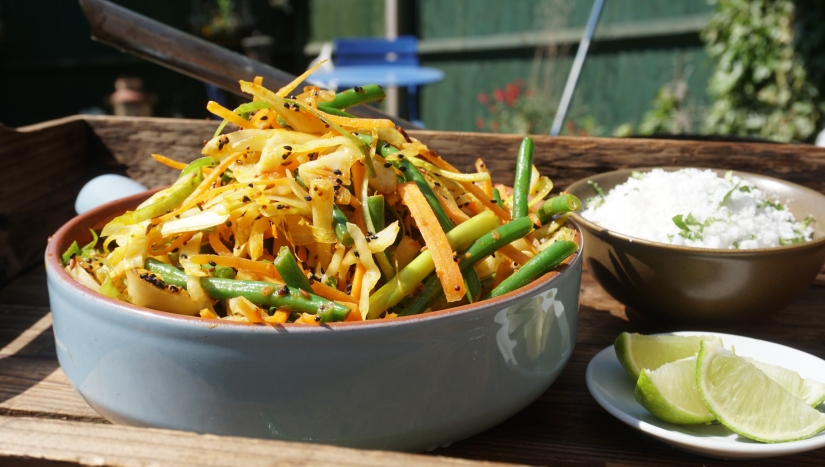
(701, 251)
(53, 267)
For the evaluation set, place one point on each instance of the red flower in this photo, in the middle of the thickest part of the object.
(494, 126)
(480, 123)
(498, 95)
(482, 97)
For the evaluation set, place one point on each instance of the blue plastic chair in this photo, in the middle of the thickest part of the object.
(402, 51)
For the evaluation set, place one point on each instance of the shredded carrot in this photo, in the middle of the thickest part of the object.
(471, 187)
(252, 312)
(307, 318)
(284, 91)
(279, 317)
(358, 171)
(502, 272)
(210, 179)
(514, 254)
(436, 240)
(332, 293)
(256, 267)
(227, 114)
(176, 243)
(206, 313)
(358, 123)
(354, 315)
(217, 245)
(486, 185)
(169, 162)
(357, 280)
(265, 119)
(489, 204)
(447, 202)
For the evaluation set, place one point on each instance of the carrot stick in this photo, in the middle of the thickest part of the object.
(217, 245)
(514, 254)
(257, 267)
(180, 240)
(323, 290)
(357, 280)
(212, 178)
(169, 162)
(447, 202)
(502, 272)
(227, 114)
(279, 317)
(446, 268)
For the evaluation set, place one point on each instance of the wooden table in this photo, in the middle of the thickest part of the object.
(43, 421)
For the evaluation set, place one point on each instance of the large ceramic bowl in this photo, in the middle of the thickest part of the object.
(703, 285)
(405, 384)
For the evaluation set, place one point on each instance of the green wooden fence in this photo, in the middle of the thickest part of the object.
(482, 45)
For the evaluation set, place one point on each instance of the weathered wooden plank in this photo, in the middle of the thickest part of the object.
(42, 165)
(564, 426)
(28, 441)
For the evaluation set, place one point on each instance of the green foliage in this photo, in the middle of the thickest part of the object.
(668, 114)
(769, 68)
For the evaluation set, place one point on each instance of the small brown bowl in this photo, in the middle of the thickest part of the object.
(703, 285)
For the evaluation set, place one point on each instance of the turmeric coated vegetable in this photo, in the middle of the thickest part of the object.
(308, 215)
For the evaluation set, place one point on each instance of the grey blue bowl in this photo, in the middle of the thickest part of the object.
(703, 285)
(407, 384)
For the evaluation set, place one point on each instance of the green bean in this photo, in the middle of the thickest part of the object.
(355, 96)
(290, 272)
(545, 261)
(422, 265)
(521, 184)
(473, 285)
(339, 222)
(243, 109)
(224, 272)
(557, 205)
(383, 148)
(497, 198)
(337, 112)
(161, 206)
(170, 274)
(484, 246)
(411, 173)
(264, 294)
(375, 204)
(199, 163)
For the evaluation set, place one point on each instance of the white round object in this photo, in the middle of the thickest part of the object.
(104, 188)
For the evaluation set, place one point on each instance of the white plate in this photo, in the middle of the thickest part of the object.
(613, 389)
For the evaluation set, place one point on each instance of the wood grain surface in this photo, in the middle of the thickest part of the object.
(41, 415)
(43, 421)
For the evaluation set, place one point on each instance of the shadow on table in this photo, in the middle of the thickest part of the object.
(25, 360)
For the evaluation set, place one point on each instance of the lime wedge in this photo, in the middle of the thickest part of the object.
(746, 401)
(636, 351)
(670, 393)
(810, 391)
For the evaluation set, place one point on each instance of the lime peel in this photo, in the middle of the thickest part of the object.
(636, 351)
(670, 393)
(748, 402)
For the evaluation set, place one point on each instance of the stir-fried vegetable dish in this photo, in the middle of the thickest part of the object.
(307, 214)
